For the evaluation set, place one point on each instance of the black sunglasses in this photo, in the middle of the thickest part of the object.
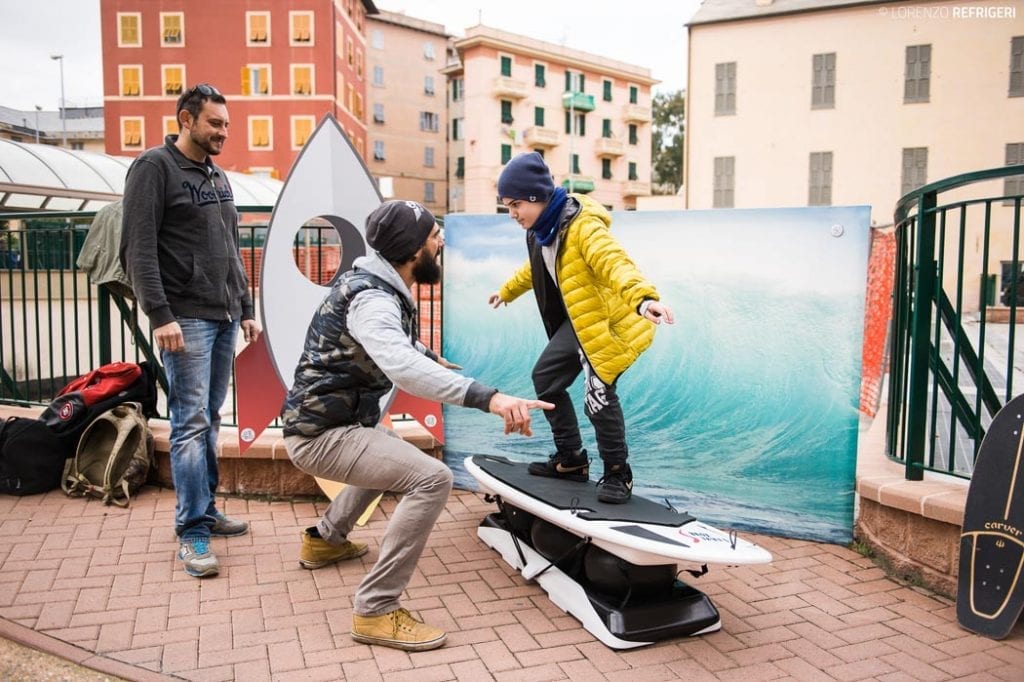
(203, 89)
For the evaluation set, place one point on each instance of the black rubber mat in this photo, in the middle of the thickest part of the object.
(582, 496)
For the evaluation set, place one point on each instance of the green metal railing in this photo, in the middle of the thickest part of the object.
(952, 360)
(55, 325)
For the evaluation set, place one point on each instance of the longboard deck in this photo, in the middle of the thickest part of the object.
(641, 531)
(990, 591)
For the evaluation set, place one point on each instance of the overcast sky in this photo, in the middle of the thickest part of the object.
(648, 33)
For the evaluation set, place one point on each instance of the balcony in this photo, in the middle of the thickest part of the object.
(538, 136)
(634, 113)
(509, 87)
(608, 146)
(579, 101)
(635, 188)
(583, 184)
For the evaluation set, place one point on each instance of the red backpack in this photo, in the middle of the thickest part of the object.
(104, 382)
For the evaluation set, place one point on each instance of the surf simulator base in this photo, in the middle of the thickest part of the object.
(622, 604)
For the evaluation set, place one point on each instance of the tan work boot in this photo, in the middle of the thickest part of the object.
(317, 552)
(398, 630)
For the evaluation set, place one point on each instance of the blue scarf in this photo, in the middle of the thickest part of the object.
(546, 226)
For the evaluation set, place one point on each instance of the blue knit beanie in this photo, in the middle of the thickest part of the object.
(526, 177)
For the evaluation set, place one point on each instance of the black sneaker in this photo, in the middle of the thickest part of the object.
(572, 466)
(616, 486)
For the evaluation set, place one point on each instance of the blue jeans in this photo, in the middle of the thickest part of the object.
(197, 384)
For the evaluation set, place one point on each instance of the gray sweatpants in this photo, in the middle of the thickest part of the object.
(370, 461)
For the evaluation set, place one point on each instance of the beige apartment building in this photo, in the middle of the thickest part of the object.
(407, 118)
(840, 102)
(588, 115)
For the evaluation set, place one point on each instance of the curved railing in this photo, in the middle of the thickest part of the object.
(953, 357)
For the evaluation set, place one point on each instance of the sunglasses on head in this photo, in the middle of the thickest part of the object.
(204, 89)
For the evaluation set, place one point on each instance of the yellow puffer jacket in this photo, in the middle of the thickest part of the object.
(601, 288)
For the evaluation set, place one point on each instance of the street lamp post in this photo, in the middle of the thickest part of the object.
(38, 109)
(571, 94)
(63, 119)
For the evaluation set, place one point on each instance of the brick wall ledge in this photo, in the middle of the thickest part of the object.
(913, 527)
(263, 469)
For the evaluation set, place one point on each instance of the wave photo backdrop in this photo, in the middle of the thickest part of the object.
(743, 413)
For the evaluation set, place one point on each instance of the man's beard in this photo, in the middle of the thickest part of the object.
(204, 144)
(426, 270)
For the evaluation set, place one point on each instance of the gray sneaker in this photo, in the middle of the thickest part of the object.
(225, 527)
(198, 559)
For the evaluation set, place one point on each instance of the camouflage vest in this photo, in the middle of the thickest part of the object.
(336, 382)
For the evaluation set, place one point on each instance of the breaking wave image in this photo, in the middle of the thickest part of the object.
(744, 412)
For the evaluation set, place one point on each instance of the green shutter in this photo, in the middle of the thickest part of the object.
(606, 128)
(538, 116)
(538, 75)
(607, 91)
(506, 66)
(633, 94)
(568, 81)
(506, 153)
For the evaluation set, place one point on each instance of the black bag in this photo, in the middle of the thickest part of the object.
(31, 457)
(70, 414)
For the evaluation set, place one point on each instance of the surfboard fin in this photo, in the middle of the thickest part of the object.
(697, 574)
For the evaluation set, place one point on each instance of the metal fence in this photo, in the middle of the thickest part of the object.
(56, 325)
(953, 356)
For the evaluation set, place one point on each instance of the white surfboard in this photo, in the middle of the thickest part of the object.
(641, 531)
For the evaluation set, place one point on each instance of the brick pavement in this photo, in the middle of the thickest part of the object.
(100, 586)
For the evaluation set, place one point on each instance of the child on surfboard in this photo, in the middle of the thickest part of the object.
(597, 310)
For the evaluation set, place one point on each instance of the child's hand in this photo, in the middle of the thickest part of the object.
(657, 311)
(494, 300)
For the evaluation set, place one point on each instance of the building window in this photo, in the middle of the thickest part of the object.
(725, 89)
(823, 81)
(428, 192)
(428, 51)
(460, 167)
(575, 158)
(360, 61)
(261, 133)
(506, 66)
(256, 79)
(917, 77)
(1014, 185)
(725, 182)
(378, 112)
(457, 86)
(350, 101)
(506, 111)
(350, 52)
(606, 87)
(357, 106)
(302, 128)
(1017, 66)
(539, 79)
(456, 129)
(820, 180)
(302, 79)
(915, 169)
(173, 76)
(428, 121)
(171, 126)
(378, 150)
(378, 76)
(300, 29)
(573, 81)
(633, 137)
(428, 85)
(428, 157)
(606, 169)
(632, 176)
(538, 116)
(506, 153)
(606, 128)
(132, 132)
(581, 124)
(634, 94)
(257, 29)
(131, 80)
(377, 39)
(172, 29)
(128, 34)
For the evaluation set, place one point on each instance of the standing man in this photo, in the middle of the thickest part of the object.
(362, 341)
(179, 246)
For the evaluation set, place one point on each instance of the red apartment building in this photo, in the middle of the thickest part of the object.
(281, 66)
